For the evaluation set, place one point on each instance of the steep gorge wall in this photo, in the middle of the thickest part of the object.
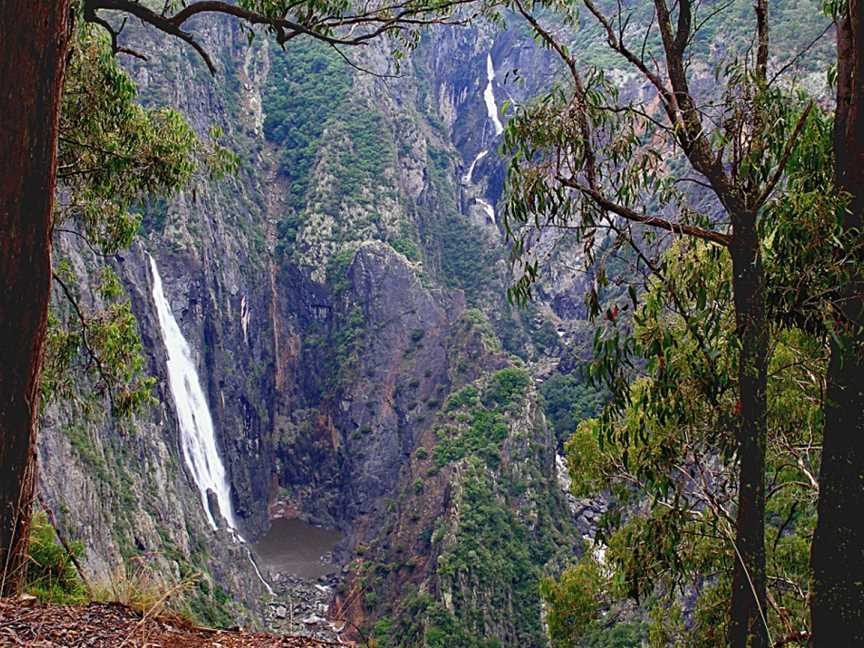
(334, 303)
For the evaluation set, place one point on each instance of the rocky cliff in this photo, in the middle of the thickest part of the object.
(343, 299)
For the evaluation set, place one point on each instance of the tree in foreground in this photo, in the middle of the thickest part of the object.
(36, 41)
(589, 160)
(670, 471)
(838, 543)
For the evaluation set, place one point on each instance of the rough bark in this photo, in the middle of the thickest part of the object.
(35, 38)
(747, 611)
(837, 605)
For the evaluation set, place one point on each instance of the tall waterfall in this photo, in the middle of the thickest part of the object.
(489, 96)
(197, 436)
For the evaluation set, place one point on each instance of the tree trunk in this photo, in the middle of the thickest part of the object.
(747, 614)
(837, 605)
(35, 37)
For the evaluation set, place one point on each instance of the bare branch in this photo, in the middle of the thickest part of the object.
(798, 56)
(380, 20)
(653, 221)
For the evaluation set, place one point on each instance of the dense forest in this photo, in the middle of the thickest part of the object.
(432, 323)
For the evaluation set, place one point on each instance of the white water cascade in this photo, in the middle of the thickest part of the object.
(492, 111)
(489, 96)
(487, 208)
(197, 436)
(466, 179)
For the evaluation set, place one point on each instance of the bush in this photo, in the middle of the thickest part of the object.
(506, 387)
(566, 402)
(51, 573)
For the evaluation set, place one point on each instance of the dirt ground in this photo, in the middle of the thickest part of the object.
(111, 625)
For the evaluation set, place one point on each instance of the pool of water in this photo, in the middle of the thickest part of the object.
(294, 547)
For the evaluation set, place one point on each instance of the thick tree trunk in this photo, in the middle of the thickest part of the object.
(747, 614)
(837, 605)
(35, 37)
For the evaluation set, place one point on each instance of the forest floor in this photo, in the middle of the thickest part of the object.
(112, 625)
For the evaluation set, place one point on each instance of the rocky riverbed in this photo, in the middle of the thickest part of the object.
(301, 605)
(298, 559)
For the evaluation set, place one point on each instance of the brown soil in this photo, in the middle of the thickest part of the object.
(111, 625)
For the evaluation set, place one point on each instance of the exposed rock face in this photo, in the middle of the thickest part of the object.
(334, 314)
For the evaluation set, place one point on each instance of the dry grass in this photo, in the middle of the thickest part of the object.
(146, 591)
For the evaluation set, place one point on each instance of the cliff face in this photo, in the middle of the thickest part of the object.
(343, 299)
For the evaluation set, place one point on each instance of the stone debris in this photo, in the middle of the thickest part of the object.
(301, 607)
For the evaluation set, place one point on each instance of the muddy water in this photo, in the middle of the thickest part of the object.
(294, 547)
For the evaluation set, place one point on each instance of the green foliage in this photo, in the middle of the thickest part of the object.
(465, 396)
(307, 84)
(113, 155)
(801, 234)
(574, 601)
(407, 247)
(618, 634)
(506, 388)
(475, 320)
(102, 342)
(668, 444)
(424, 622)
(567, 401)
(483, 437)
(465, 255)
(368, 151)
(51, 573)
(308, 96)
(493, 552)
(487, 422)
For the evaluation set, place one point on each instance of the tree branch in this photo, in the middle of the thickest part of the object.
(148, 16)
(653, 221)
(100, 369)
(384, 19)
(784, 158)
(579, 87)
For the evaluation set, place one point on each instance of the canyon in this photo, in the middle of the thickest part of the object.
(333, 348)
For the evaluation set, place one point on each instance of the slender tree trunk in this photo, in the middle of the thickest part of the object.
(837, 605)
(35, 37)
(747, 614)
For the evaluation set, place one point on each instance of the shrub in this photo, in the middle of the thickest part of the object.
(51, 572)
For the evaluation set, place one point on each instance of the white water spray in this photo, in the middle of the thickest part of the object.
(489, 209)
(196, 425)
(489, 96)
(466, 179)
(197, 436)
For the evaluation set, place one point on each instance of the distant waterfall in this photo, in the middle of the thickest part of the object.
(487, 208)
(196, 426)
(492, 112)
(466, 179)
(489, 96)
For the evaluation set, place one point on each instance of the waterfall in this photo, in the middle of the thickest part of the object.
(197, 436)
(489, 96)
(466, 179)
(489, 209)
(260, 576)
